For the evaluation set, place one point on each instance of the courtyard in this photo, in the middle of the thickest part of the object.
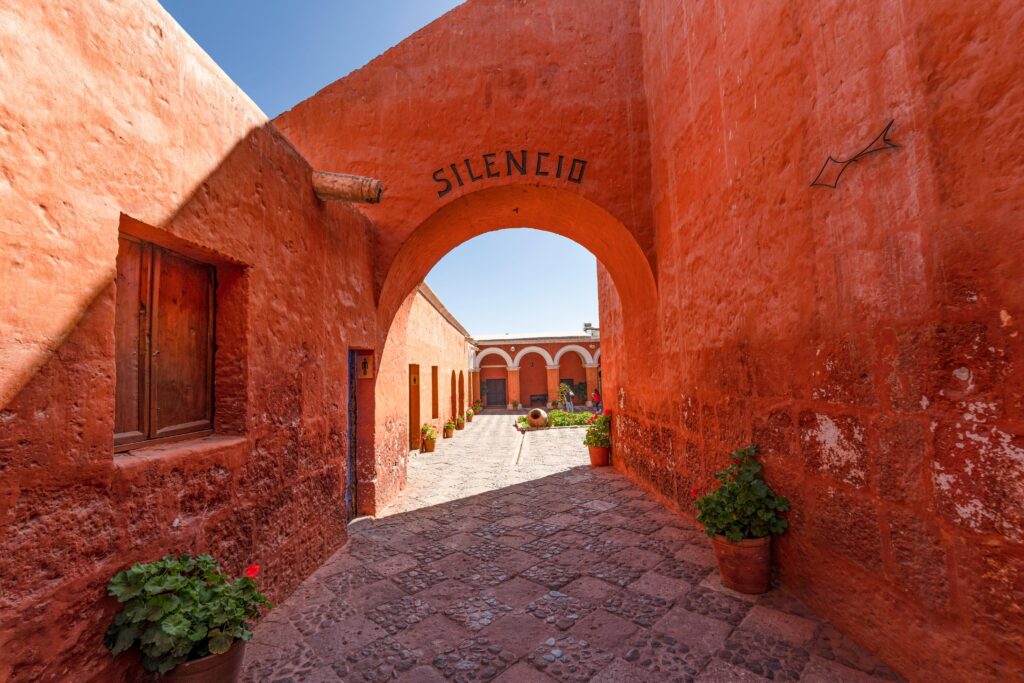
(509, 558)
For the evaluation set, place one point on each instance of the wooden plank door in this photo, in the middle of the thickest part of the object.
(414, 407)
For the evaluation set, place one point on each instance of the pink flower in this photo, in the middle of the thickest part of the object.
(252, 571)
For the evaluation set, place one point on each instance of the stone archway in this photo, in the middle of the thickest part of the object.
(583, 354)
(544, 208)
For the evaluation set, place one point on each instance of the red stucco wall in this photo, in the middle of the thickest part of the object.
(866, 337)
(121, 112)
(420, 335)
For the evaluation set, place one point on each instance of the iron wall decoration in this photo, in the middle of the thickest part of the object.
(509, 163)
(833, 169)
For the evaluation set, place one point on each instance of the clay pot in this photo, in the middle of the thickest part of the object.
(469, 418)
(598, 455)
(427, 445)
(745, 566)
(223, 668)
(460, 425)
(537, 418)
(449, 432)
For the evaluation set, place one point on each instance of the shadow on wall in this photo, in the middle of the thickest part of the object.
(265, 488)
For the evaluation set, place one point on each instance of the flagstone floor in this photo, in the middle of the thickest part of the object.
(509, 559)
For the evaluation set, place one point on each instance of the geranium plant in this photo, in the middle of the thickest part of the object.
(599, 432)
(428, 431)
(181, 608)
(469, 412)
(449, 424)
(460, 420)
(743, 506)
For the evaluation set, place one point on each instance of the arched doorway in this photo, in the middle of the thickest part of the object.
(462, 394)
(453, 398)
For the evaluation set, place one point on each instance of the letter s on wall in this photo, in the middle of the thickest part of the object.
(447, 183)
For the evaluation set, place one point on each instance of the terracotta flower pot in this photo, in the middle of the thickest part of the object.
(469, 418)
(449, 432)
(428, 445)
(223, 668)
(745, 566)
(598, 455)
(460, 425)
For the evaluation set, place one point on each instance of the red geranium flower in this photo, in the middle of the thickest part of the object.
(694, 491)
(252, 570)
(607, 412)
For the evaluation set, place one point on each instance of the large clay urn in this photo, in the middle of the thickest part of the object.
(598, 455)
(745, 566)
(537, 418)
(223, 668)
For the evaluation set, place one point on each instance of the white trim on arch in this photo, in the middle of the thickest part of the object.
(584, 354)
(597, 356)
(493, 350)
(534, 349)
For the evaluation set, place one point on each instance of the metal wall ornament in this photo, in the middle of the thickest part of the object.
(833, 168)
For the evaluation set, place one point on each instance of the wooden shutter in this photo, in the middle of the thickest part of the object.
(131, 337)
(182, 355)
(164, 344)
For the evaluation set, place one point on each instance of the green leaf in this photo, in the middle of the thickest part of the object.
(176, 625)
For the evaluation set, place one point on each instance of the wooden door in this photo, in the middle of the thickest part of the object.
(353, 440)
(494, 390)
(414, 407)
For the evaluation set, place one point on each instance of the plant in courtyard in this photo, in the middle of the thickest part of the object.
(449, 424)
(599, 432)
(469, 412)
(515, 405)
(563, 393)
(743, 506)
(181, 608)
(460, 420)
(428, 431)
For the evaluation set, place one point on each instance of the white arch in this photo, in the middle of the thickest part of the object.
(578, 349)
(534, 349)
(597, 356)
(492, 351)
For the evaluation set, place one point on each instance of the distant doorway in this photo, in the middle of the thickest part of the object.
(414, 407)
(353, 442)
(495, 392)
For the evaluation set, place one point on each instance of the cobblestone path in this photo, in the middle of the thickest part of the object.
(509, 559)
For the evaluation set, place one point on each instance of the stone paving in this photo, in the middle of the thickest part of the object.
(509, 559)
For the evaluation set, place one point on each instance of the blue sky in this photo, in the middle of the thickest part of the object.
(280, 53)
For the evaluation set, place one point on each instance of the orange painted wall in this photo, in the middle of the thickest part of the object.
(110, 109)
(533, 377)
(848, 331)
(866, 337)
(420, 335)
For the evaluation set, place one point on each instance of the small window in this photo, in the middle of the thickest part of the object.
(164, 344)
(434, 406)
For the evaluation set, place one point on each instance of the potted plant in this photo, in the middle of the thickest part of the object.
(186, 616)
(515, 405)
(740, 516)
(599, 439)
(478, 406)
(460, 422)
(428, 437)
(469, 415)
(449, 428)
